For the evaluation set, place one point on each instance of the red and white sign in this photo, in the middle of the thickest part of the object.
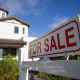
(63, 38)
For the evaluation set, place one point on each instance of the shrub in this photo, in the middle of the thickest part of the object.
(8, 69)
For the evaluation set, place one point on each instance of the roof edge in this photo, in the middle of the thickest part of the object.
(4, 10)
(13, 17)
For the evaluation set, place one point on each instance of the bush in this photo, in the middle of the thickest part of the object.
(46, 76)
(8, 69)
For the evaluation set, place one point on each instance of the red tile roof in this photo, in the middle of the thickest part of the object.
(15, 18)
(4, 10)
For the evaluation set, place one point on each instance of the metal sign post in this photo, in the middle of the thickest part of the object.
(66, 55)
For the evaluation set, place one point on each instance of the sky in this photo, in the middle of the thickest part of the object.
(42, 15)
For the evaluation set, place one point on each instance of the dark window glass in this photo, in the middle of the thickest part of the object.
(16, 30)
(23, 30)
(1, 53)
(6, 51)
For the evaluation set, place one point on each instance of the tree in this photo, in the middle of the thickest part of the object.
(8, 69)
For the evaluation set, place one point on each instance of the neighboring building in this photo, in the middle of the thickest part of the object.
(13, 36)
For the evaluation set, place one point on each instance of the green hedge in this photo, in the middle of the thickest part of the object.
(8, 69)
(46, 76)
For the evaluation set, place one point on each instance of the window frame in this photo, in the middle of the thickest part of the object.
(3, 15)
(23, 30)
(16, 30)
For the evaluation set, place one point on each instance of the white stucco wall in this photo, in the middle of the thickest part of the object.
(24, 73)
(24, 50)
(7, 29)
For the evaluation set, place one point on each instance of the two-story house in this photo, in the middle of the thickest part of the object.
(13, 35)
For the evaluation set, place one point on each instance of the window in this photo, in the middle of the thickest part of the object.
(6, 51)
(16, 30)
(3, 15)
(23, 30)
(1, 53)
(11, 51)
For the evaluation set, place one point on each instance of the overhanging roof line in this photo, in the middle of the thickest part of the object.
(12, 43)
(15, 18)
(4, 10)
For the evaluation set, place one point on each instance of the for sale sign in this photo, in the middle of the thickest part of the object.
(64, 38)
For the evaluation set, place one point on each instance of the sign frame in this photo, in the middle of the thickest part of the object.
(62, 53)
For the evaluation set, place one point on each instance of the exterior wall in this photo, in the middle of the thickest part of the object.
(7, 32)
(7, 29)
(28, 39)
(23, 56)
(1, 12)
(24, 51)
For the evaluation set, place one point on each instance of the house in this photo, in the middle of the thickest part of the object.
(13, 36)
